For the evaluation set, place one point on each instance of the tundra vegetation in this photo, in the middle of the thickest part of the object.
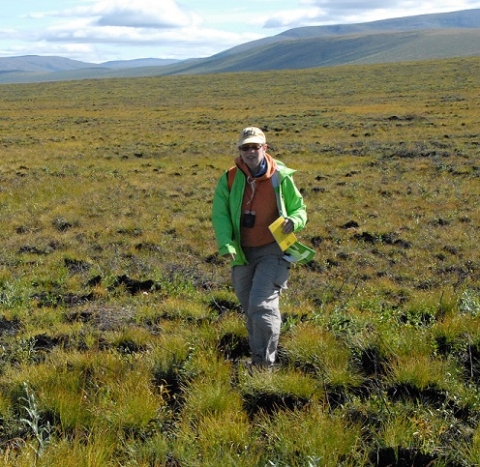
(121, 341)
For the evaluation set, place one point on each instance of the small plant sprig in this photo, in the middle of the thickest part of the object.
(41, 432)
(470, 303)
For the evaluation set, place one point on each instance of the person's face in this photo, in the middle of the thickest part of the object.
(253, 154)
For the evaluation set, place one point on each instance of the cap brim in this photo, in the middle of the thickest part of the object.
(253, 139)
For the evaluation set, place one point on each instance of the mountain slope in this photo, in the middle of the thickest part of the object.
(39, 64)
(342, 50)
(422, 37)
(466, 19)
(139, 62)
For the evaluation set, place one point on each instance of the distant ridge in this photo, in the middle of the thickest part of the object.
(39, 64)
(422, 37)
(139, 62)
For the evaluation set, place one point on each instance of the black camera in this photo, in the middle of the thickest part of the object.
(248, 219)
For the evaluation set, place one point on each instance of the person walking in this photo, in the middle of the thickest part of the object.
(248, 197)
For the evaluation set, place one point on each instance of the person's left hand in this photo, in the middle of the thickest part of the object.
(287, 226)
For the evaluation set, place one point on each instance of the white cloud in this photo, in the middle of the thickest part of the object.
(170, 29)
(79, 32)
(285, 19)
(144, 14)
(316, 12)
(8, 33)
(135, 14)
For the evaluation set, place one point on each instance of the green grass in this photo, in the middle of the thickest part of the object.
(104, 183)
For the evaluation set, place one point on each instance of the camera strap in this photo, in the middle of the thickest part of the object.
(251, 182)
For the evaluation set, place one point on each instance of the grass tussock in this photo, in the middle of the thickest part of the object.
(121, 340)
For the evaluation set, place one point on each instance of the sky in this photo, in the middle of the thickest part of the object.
(97, 31)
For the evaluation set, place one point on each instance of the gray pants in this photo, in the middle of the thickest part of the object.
(258, 286)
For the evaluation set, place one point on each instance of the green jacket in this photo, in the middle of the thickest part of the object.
(227, 205)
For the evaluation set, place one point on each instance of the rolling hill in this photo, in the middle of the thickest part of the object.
(422, 37)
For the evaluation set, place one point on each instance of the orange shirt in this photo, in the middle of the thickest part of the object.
(259, 197)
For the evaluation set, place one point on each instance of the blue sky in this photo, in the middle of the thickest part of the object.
(101, 30)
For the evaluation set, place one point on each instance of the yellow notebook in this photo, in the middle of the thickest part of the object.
(284, 240)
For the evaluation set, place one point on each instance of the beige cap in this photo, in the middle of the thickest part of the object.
(251, 134)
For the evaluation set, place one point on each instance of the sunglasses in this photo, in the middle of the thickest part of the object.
(248, 147)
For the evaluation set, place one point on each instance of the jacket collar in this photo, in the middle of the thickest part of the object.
(270, 167)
